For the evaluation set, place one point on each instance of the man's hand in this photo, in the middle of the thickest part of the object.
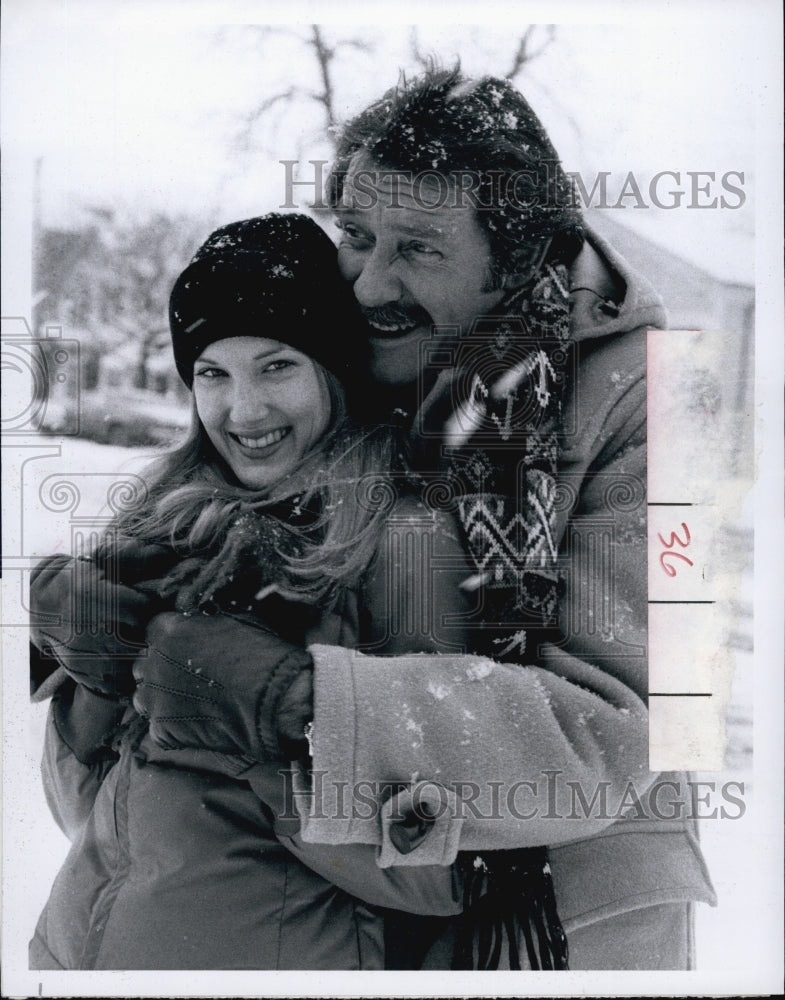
(88, 616)
(215, 682)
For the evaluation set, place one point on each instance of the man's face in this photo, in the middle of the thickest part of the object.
(412, 267)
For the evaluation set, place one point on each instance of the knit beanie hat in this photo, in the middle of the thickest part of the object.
(275, 276)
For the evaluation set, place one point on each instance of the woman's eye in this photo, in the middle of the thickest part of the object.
(279, 365)
(208, 373)
(351, 234)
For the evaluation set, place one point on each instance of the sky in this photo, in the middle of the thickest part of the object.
(138, 106)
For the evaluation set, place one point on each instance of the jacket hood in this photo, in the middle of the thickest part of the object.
(608, 296)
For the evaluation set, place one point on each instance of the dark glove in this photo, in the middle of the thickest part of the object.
(294, 713)
(134, 562)
(215, 682)
(88, 617)
(86, 722)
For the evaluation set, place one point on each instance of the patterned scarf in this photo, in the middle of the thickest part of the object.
(504, 395)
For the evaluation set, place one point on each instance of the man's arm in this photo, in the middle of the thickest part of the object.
(429, 890)
(434, 890)
(523, 743)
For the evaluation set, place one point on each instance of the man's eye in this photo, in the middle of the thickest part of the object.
(421, 249)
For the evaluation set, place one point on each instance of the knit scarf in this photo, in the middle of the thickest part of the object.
(504, 396)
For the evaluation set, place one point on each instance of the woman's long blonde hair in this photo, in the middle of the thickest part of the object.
(192, 503)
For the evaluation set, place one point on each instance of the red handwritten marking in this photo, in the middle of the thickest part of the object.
(669, 553)
(674, 539)
(671, 570)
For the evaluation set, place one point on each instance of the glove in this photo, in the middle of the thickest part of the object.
(214, 682)
(86, 722)
(295, 711)
(133, 561)
(96, 621)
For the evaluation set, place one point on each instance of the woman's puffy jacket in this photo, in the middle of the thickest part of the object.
(193, 859)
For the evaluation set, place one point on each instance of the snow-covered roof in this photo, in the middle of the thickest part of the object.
(714, 243)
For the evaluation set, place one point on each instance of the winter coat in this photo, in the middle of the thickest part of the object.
(574, 716)
(193, 860)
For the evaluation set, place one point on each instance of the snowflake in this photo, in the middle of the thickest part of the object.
(439, 691)
(518, 640)
(480, 669)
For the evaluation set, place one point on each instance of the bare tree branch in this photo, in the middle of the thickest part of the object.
(521, 56)
(324, 57)
(269, 102)
(225, 34)
(322, 51)
(354, 43)
(250, 119)
(526, 53)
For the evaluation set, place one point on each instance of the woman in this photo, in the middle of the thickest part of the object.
(190, 857)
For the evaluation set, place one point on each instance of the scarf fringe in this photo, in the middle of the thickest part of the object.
(508, 895)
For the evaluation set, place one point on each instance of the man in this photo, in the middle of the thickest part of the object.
(509, 341)
(453, 206)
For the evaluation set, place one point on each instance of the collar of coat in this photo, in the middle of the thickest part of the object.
(607, 295)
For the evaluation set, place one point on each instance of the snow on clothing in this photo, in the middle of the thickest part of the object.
(187, 858)
(578, 710)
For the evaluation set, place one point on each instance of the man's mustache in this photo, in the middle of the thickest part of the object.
(392, 316)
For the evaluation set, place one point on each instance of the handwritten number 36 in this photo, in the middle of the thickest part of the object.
(669, 552)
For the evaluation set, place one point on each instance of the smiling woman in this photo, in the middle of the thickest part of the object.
(255, 539)
(263, 404)
(268, 338)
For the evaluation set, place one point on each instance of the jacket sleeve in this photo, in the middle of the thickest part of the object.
(434, 890)
(76, 757)
(509, 751)
(71, 602)
(89, 619)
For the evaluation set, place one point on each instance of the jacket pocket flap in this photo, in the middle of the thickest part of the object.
(626, 869)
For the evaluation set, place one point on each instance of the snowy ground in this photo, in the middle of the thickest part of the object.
(725, 935)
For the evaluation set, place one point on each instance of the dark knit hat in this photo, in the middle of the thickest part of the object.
(274, 276)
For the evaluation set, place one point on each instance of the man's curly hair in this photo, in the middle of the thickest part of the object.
(480, 131)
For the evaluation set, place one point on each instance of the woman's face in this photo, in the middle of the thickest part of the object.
(263, 405)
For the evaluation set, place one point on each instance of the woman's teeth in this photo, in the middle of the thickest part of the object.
(265, 441)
